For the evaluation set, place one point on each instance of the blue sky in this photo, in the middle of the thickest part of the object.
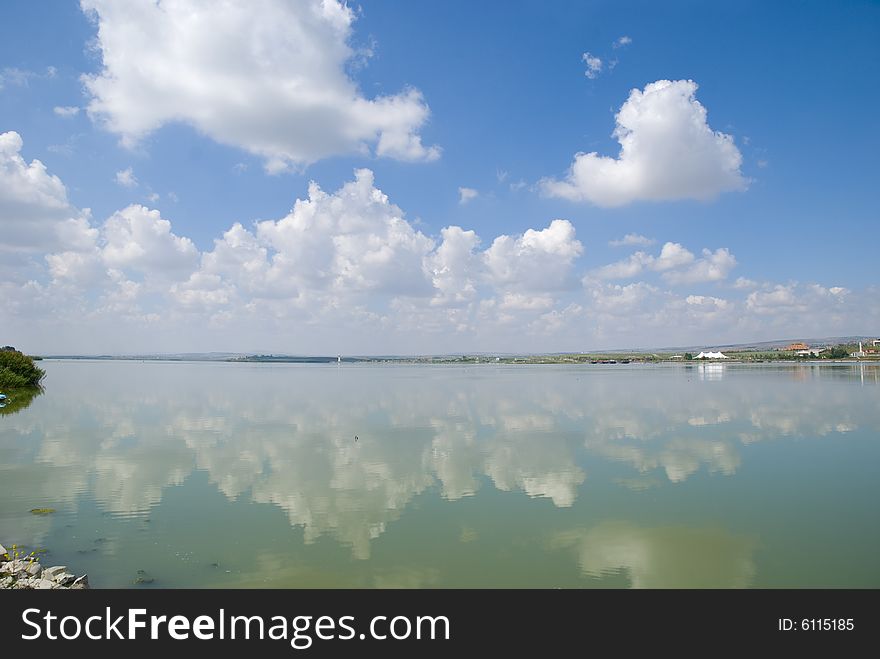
(227, 119)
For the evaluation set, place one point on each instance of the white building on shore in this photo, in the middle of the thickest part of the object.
(711, 355)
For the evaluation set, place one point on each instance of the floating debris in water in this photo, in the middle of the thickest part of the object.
(42, 511)
(143, 578)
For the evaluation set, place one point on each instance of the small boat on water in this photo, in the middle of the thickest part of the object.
(3, 400)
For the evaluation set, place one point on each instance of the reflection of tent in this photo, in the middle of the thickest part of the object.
(711, 355)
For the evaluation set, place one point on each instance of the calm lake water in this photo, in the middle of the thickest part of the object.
(258, 475)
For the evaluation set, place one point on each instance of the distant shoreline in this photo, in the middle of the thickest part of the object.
(580, 359)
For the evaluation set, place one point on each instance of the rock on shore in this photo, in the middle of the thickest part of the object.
(27, 573)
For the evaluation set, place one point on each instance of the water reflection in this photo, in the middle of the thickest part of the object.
(662, 557)
(285, 436)
(711, 371)
(18, 399)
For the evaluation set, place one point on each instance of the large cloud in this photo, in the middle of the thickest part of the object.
(352, 242)
(33, 203)
(536, 260)
(139, 239)
(36, 218)
(335, 247)
(348, 259)
(454, 265)
(268, 76)
(677, 264)
(787, 300)
(667, 151)
(714, 266)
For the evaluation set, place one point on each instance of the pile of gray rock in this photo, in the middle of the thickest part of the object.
(27, 573)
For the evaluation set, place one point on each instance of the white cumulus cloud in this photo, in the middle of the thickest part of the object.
(745, 283)
(677, 264)
(786, 300)
(667, 151)
(33, 203)
(354, 239)
(352, 242)
(346, 268)
(632, 239)
(536, 260)
(707, 303)
(126, 178)
(267, 76)
(713, 266)
(627, 268)
(467, 194)
(454, 266)
(66, 110)
(593, 64)
(672, 255)
(139, 239)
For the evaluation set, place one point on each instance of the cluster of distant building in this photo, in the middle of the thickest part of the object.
(803, 350)
(864, 352)
(800, 349)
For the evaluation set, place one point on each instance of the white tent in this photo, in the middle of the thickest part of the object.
(711, 355)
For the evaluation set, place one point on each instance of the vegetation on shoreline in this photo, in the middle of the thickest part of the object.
(19, 380)
(17, 371)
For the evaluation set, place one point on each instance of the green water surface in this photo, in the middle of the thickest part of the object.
(196, 474)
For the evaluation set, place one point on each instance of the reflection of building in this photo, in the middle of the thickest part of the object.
(711, 371)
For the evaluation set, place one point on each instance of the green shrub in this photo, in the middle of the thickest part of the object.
(18, 370)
